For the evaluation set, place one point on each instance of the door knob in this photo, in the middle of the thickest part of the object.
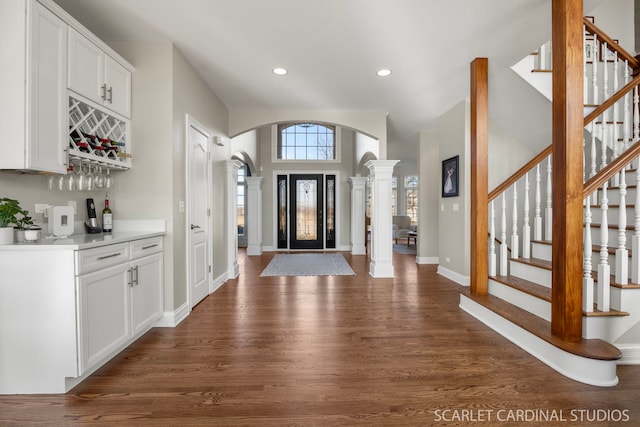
(193, 227)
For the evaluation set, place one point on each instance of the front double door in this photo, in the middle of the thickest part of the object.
(306, 211)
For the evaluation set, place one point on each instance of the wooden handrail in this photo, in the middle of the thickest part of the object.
(612, 100)
(611, 44)
(611, 169)
(520, 173)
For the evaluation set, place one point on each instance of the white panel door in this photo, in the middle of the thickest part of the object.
(198, 214)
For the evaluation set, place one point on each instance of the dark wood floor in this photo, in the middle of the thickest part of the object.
(308, 351)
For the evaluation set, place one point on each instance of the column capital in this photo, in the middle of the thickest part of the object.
(233, 165)
(357, 181)
(254, 181)
(381, 165)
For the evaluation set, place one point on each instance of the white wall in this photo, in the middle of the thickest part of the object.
(454, 232)
(165, 89)
(428, 198)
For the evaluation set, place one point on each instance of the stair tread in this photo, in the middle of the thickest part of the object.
(536, 262)
(611, 313)
(589, 348)
(526, 286)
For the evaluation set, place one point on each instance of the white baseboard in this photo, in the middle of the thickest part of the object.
(171, 319)
(452, 275)
(630, 354)
(427, 260)
(217, 282)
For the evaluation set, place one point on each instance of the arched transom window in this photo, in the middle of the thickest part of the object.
(306, 141)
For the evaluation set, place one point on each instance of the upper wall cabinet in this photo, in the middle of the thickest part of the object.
(97, 76)
(33, 113)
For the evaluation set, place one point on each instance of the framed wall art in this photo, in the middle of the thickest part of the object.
(450, 185)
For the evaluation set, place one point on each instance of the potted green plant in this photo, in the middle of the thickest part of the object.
(10, 211)
(23, 223)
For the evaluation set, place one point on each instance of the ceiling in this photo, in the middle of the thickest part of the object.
(332, 49)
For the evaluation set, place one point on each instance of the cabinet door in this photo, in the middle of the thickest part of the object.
(146, 293)
(86, 67)
(46, 150)
(104, 326)
(118, 80)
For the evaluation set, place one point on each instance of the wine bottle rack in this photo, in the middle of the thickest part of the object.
(85, 121)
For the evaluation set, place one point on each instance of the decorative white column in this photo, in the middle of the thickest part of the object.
(231, 218)
(381, 172)
(253, 215)
(358, 212)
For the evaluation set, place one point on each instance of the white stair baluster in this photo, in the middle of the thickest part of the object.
(626, 117)
(504, 270)
(635, 240)
(622, 254)
(537, 219)
(587, 280)
(636, 115)
(492, 240)
(585, 59)
(548, 217)
(604, 270)
(604, 141)
(526, 229)
(594, 71)
(515, 241)
(594, 161)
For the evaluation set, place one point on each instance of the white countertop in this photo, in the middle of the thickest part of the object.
(124, 231)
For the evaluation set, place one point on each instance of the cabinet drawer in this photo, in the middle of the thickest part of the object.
(144, 247)
(89, 260)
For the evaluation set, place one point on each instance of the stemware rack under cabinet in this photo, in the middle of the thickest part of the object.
(97, 136)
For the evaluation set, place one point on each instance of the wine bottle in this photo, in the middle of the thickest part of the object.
(107, 217)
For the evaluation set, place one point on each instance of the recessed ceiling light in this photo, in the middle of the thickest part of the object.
(280, 71)
(384, 72)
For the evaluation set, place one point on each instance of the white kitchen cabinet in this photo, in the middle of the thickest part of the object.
(95, 75)
(146, 292)
(119, 294)
(104, 320)
(67, 308)
(33, 115)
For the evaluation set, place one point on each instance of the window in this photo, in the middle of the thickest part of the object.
(241, 204)
(411, 197)
(306, 141)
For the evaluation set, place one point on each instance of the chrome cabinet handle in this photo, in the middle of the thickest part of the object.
(130, 282)
(100, 258)
(110, 92)
(136, 279)
(149, 246)
(103, 88)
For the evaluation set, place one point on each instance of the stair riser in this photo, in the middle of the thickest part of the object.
(520, 299)
(612, 237)
(613, 195)
(541, 251)
(532, 273)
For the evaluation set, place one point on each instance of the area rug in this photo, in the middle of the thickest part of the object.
(308, 265)
(404, 249)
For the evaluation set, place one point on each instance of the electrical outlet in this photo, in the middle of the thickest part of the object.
(181, 206)
(448, 260)
(41, 207)
(74, 204)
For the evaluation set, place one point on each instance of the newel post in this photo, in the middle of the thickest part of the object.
(479, 176)
(568, 98)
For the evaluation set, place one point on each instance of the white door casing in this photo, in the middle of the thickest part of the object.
(198, 209)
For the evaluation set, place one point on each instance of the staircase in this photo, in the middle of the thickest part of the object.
(518, 304)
